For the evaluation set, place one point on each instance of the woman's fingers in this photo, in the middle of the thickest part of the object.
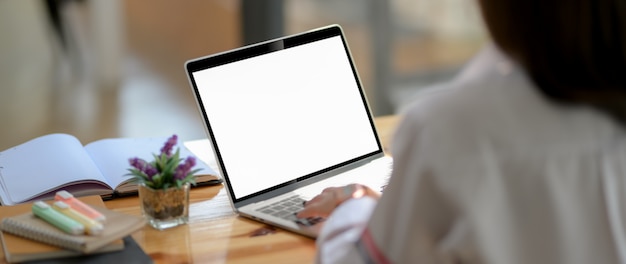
(321, 205)
(325, 203)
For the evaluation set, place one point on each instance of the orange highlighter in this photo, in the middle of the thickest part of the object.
(79, 206)
(92, 227)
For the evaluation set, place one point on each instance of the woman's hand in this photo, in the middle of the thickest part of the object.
(325, 203)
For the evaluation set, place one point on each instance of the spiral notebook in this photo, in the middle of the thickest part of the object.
(117, 226)
(19, 249)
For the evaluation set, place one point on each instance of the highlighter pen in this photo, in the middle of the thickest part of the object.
(79, 206)
(92, 227)
(68, 225)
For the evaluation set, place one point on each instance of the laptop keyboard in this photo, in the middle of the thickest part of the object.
(287, 209)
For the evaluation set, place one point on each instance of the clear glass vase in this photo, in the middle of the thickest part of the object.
(165, 208)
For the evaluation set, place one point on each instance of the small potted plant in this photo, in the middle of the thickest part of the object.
(163, 185)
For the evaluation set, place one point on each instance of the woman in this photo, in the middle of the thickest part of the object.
(519, 159)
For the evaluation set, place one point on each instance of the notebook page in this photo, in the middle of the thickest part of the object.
(111, 156)
(44, 163)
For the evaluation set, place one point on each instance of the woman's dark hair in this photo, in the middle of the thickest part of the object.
(574, 50)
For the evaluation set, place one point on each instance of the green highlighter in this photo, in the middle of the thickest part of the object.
(68, 225)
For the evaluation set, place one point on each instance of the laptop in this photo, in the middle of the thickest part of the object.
(287, 118)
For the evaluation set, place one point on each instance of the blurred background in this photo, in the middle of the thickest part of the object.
(113, 68)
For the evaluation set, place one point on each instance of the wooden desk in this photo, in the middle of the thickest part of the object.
(215, 234)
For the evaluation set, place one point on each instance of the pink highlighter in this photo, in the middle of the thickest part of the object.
(79, 206)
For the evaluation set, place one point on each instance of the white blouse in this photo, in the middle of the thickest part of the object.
(487, 170)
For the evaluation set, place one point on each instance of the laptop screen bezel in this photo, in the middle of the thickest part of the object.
(259, 49)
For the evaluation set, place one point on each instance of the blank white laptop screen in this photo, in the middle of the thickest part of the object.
(285, 114)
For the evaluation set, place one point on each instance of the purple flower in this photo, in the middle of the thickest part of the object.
(169, 145)
(190, 162)
(150, 171)
(169, 168)
(137, 163)
(143, 167)
(183, 169)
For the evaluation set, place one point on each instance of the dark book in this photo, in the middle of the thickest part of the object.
(132, 253)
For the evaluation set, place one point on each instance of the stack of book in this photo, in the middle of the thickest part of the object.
(26, 237)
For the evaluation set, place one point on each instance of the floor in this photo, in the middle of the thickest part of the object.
(45, 88)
